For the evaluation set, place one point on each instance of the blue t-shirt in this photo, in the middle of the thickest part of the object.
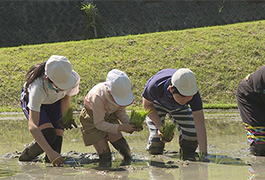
(156, 90)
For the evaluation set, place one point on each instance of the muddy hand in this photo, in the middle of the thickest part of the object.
(203, 157)
(171, 137)
(67, 125)
(163, 140)
(56, 159)
(126, 128)
(139, 129)
(71, 125)
(67, 121)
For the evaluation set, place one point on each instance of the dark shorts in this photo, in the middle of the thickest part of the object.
(49, 113)
(250, 105)
(252, 112)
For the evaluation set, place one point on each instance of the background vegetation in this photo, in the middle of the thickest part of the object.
(219, 56)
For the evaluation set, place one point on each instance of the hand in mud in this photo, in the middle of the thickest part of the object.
(203, 157)
(56, 159)
(67, 125)
(163, 140)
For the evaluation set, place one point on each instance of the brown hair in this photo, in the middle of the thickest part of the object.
(35, 71)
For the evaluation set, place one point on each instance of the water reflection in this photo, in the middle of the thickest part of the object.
(257, 168)
(159, 173)
(227, 147)
(183, 171)
(7, 171)
(198, 171)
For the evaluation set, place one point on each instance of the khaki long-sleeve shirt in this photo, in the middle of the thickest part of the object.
(101, 103)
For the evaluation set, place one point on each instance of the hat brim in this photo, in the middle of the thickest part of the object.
(71, 83)
(188, 92)
(124, 102)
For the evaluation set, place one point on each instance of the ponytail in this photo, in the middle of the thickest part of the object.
(35, 71)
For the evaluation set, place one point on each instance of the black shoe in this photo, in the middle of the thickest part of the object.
(126, 162)
(31, 152)
(187, 150)
(104, 161)
(257, 149)
(156, 148)
(186, 155)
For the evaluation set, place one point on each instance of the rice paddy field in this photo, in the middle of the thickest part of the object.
(227, 146)
(219, 56)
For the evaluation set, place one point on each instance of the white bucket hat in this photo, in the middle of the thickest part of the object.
(119, 86)
(59, 71)
(185, 81)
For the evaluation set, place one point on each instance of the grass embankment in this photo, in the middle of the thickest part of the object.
(219, 56)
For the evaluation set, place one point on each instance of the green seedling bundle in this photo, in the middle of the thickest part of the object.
(138, 117)
(68, 116)
(67, 121)
(167, 130)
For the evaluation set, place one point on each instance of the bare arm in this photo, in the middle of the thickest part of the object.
(38, 136)
(201, 130)
(148, 105)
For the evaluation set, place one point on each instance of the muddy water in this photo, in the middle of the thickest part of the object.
(227, 147)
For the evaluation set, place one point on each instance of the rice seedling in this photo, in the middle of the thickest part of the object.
(68, 115)
(138, 117)
(167, 130)
(67, 120)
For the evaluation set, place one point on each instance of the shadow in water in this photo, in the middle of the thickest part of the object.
(222, 159)
(257, 168)
(227, 147)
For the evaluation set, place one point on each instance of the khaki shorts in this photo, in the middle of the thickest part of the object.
(89, 132)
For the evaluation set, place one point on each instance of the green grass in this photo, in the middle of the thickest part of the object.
(219, 56)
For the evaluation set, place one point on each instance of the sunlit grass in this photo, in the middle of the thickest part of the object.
(220, 57)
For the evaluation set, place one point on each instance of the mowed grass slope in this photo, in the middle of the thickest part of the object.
(219, 56)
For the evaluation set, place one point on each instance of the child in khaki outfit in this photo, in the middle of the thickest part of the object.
(104, 109)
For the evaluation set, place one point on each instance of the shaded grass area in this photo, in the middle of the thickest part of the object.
(219, 56)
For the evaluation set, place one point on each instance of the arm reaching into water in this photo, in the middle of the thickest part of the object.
(53, 156)
(201, 130)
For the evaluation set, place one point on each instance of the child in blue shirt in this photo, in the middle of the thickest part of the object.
(174, 92)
